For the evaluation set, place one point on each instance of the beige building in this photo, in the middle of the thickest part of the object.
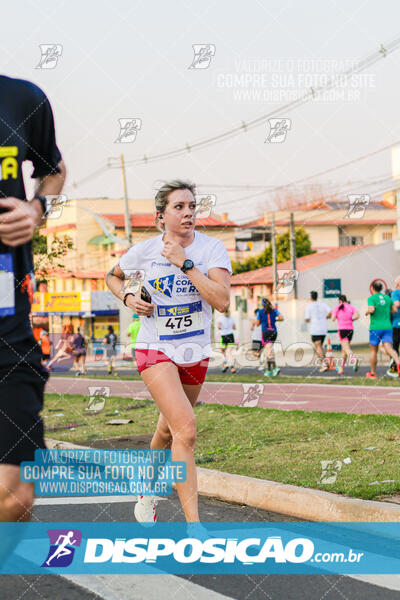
(329, 225)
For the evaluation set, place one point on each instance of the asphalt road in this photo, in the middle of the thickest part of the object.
(182, 587)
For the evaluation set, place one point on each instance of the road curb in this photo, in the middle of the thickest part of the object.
(303, 503)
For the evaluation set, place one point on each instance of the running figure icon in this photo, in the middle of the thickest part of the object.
(62, 547)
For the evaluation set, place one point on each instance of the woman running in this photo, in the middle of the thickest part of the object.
(267, 317)
(186, 273)
(79, 344)
(345, 313)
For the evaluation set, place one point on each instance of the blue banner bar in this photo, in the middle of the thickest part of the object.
(251, 548)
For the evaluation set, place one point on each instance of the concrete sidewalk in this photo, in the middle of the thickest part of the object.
(298, 502)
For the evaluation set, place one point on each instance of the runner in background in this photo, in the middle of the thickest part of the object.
(133, 331)
(316, 314)
(395, 295)
(267, 318)
(345, 314)
(63, 350)
(110, 344)
(226, 325)
(187, 273)
(380, 308)
(45, 346)
(79, 345)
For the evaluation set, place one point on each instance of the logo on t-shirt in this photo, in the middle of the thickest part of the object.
(8, 162)
(163, 284)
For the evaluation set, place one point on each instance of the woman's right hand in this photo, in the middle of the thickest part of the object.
(139, 306)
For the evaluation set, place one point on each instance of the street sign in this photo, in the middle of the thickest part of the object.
(332, 288)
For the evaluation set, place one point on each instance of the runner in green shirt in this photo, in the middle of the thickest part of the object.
(380, 307)
(133, 331)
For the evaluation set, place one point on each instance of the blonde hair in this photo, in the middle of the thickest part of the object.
(161, 197)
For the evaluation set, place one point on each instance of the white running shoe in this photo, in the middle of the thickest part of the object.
(145, 510)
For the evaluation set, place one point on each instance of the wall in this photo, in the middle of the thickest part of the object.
(356, 271)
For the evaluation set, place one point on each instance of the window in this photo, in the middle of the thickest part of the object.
(351, 240)
(387, 235)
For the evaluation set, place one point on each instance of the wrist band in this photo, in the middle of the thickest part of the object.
(43, 202)
(125, 297)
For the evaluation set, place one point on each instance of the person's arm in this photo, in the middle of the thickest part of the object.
(307, 315)
(218, 324)
(370, 310)
(371, 307)
(355, 316)
(214, 288)
(18, 223)
(115, 282)
(280, 317)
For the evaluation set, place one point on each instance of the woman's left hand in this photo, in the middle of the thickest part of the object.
(174, 253)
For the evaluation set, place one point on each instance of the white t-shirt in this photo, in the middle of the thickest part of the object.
(316, 312)
(226, 323)
(181, 322)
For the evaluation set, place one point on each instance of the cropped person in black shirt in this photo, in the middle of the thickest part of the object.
(26, 134)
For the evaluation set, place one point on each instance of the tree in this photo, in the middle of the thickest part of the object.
(46, 258)
(303, 248)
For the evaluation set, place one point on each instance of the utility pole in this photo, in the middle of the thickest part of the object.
(128, 226)
(274, 260)
(293, 251)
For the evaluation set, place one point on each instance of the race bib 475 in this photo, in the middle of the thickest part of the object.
(179, 321)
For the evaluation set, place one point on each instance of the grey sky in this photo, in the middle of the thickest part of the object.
(130, 59)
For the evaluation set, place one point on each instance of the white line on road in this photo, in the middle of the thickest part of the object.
(144, 587)
(57, 500)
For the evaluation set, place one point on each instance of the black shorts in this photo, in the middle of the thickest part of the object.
(269, 335)
(346, 334)
(256, 345)
(396, 338)
(318, 338)
(21, 401)
(45, 356)
(227, 340)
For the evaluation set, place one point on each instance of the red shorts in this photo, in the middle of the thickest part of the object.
(190, 374)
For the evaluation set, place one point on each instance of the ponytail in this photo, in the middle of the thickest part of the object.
(342, 300)
(268, 308)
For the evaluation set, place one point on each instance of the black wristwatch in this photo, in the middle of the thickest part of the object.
(43, 202)
(188, 264)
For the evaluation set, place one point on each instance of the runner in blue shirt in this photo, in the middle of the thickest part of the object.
(267, 318)
(395, 295)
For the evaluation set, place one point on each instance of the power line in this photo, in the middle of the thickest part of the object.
(371, 59)
(310, 95)
(372, 194)
(320, 173)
